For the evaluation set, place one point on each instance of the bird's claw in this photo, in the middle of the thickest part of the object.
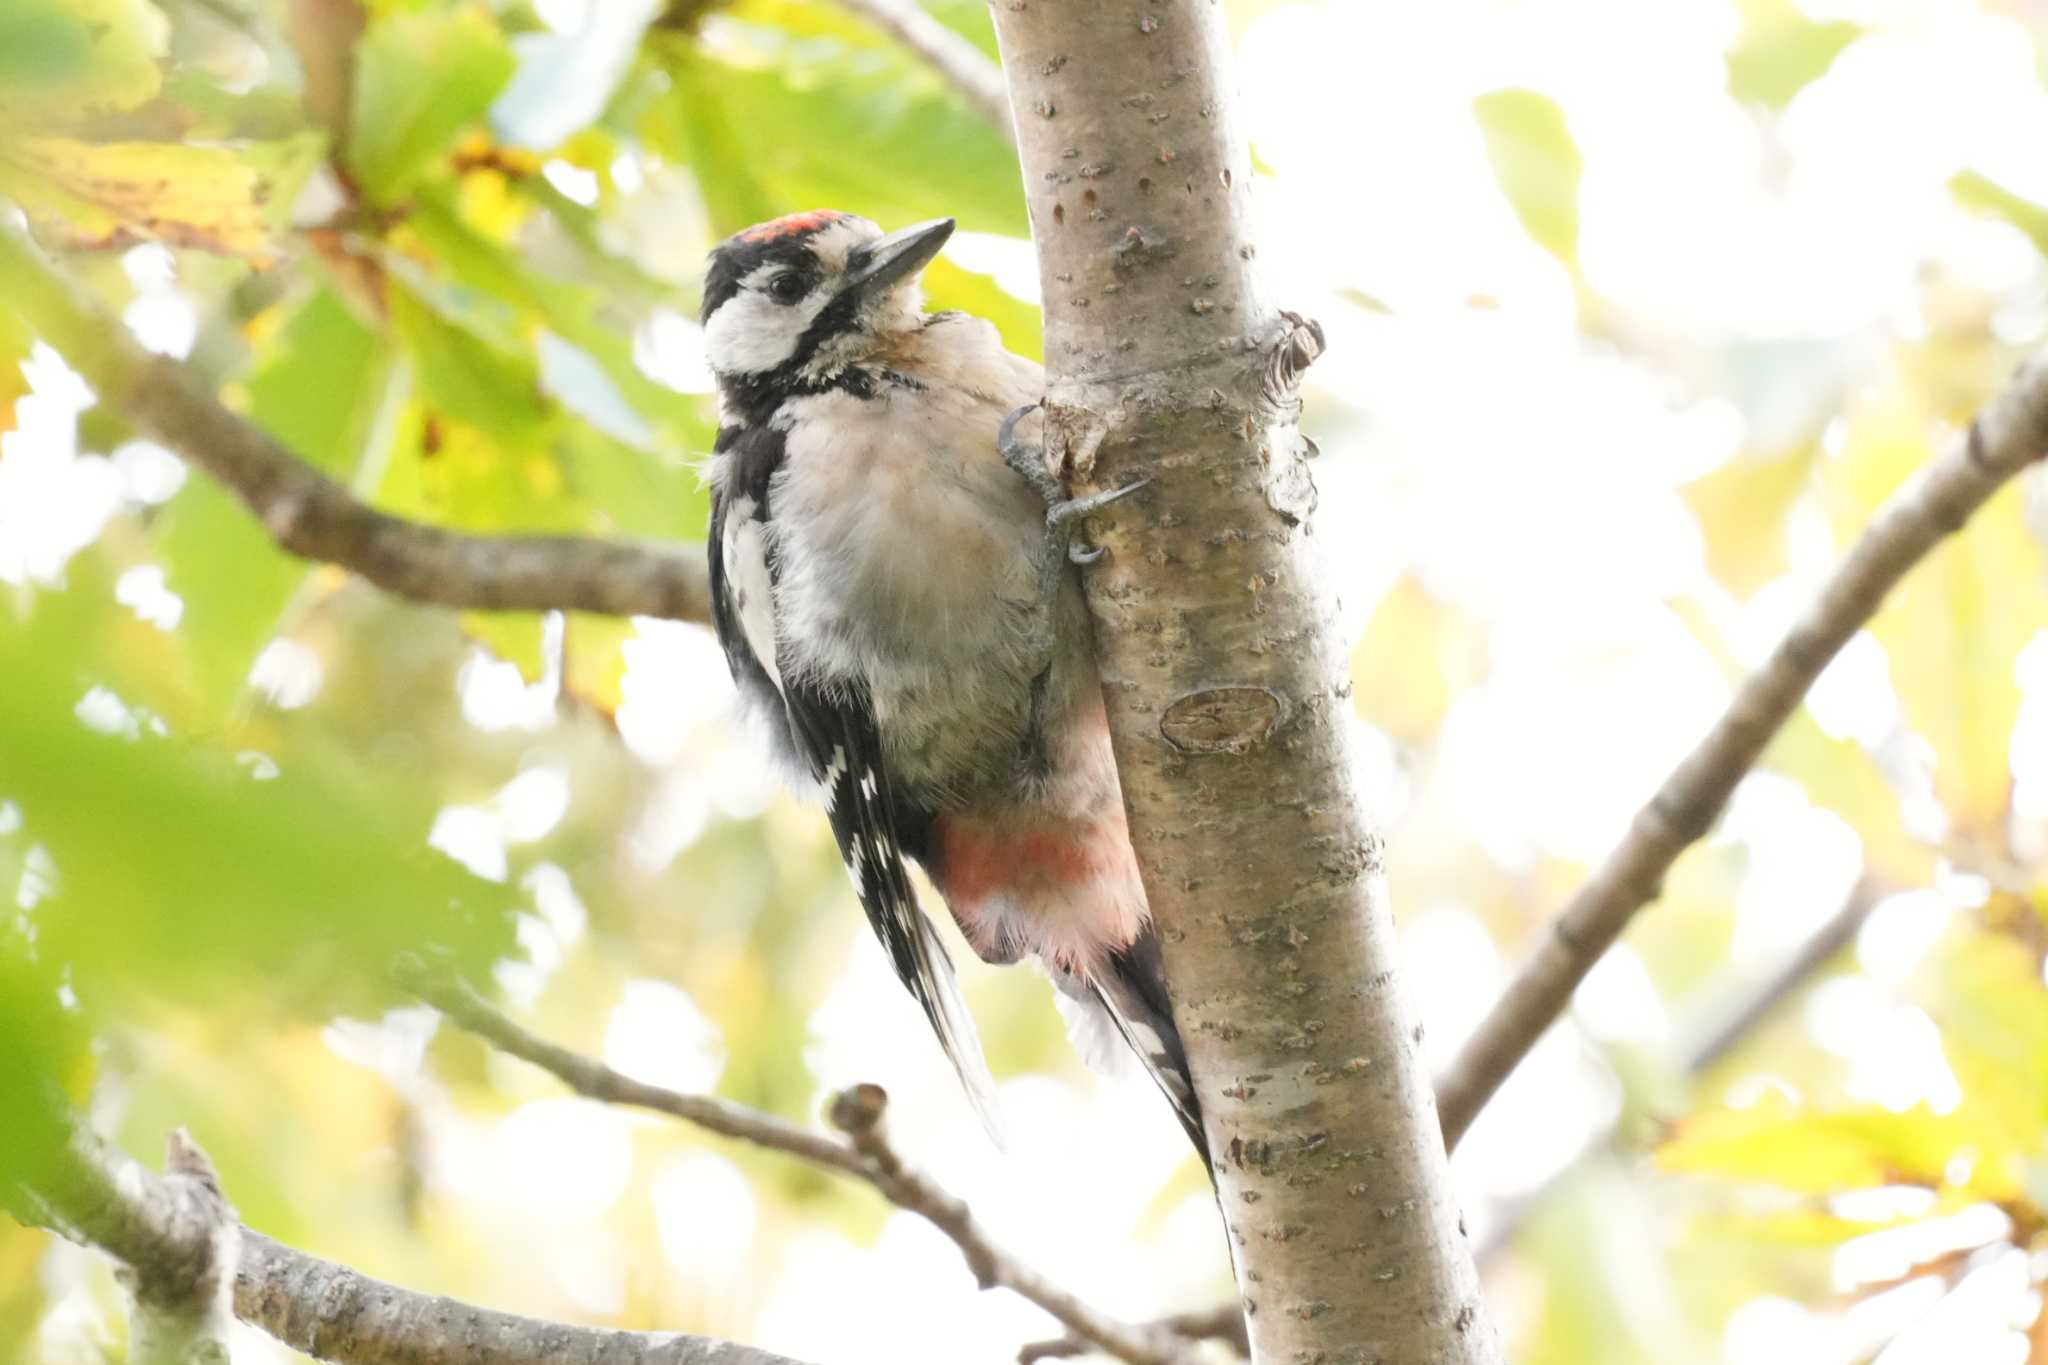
(1069, 509)
(1025, 460)
(1059, 519)
(1028, 462)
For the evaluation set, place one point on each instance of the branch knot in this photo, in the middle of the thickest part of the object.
(1289, 358)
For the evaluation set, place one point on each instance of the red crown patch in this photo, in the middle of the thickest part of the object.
(791, 225)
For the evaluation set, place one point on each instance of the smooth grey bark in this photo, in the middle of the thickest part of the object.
(1227, 686)
(174, 1235)
(192, 1268)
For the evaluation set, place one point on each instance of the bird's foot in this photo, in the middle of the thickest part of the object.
(1061, 512)
(1060, 515)
(1027, 458)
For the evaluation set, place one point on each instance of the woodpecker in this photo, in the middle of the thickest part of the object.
(893, 582)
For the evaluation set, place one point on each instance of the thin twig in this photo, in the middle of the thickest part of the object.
(865, 1154)
(312, 516)
(1225, 1324)
(978, 80)
(2008, 435)
(1713, 1040)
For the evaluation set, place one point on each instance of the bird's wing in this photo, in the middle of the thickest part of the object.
(835, 725)
(831, 728)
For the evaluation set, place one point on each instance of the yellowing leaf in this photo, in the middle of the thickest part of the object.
(1887, 439)
(1993, 1010)
(1741, 507)
(594, 666)
(1821, 1151)
(1954, 630)
(109, 194)
(1417, 652)
(15, 340)
(1800, 1227)
(1775, 1143)
(1839, 775)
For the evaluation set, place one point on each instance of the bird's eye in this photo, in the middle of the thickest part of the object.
(789, 286)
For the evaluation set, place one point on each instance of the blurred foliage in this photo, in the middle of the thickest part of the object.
(1781, 51)
(445, 250)
(1538, 166)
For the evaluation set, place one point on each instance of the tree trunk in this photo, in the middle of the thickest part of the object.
(1227, 689)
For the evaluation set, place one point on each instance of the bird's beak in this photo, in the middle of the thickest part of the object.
(899, 255)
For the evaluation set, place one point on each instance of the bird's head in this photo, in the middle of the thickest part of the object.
(808, 295)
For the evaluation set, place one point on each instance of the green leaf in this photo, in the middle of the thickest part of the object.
(629, 491)
(179, 868)
(66, 59)
(1780, 51)
(515, 301)
(421, 79)
(466, 377)
(43, 1055)
(1021, 324)
(837, 118)
(970, 19)
(1536, 164)
(320, 387)
(516, 637)
(1982, 194)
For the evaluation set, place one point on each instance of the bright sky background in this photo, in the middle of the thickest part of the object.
(1471, 437)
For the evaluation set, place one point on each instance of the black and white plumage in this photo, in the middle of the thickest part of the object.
(892, 602)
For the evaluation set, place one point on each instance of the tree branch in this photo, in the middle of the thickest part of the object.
(191, 1267)
(2009, 434)
(1224, 1324)
(330, 1312)
(314, 517)
(174, 1234)
(978, 80)
(865, 1154)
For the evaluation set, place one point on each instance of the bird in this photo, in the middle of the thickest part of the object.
(894, 582)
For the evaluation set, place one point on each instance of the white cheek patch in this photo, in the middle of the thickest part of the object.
(746, 564)
(751, 333)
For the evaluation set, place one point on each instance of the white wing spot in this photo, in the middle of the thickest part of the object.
(746, 562)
